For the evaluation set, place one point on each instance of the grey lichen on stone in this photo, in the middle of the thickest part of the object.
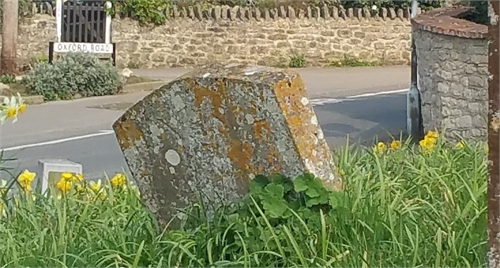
(209, 132)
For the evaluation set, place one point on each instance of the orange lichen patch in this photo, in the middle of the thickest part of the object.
(241, 154)
(300, 118)
(215, 97)
(274, 157)
(127, 132)
(261, 129)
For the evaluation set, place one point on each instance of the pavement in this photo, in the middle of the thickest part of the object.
(360, 102)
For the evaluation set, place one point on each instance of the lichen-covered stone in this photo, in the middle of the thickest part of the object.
(212, 130)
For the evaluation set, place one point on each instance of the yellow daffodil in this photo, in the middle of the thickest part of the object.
(10, 108)
(432, 135)
(119, 180)
(64, 186)
(3, 188)
(460, 145)
(3, 213)
(95, 186)
(67, 176)
(427, 144)
(98, 189)
(79, 178)
(26, 179)
(395, 145)
(379, 148)
(80, 188)
(21, 105)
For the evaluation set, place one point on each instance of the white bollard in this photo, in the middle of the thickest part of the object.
(47, 167)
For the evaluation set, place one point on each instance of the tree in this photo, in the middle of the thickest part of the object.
(8, 57)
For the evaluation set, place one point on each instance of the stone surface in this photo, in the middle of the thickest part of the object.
(214, 129)
(126, 73)
(252, 36)
(4, 89)
(453, 80)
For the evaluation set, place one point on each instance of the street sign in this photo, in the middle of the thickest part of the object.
(101, 48)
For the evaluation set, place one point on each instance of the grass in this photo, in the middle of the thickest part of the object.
(353, 62)
(139, 79)
(402, 206)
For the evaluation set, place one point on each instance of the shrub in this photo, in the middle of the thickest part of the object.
(402, 206)
(73, 73)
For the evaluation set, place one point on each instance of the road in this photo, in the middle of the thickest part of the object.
(361, 103)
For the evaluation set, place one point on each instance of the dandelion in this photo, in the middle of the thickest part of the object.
(119, 180)
(379, 148)
(395, 145)
(26, 179)
(64, 186)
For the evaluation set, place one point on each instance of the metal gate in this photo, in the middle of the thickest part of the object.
(83, 21)
(83, 26)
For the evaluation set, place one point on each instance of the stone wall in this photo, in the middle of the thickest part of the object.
(453, 73)
(194, 37)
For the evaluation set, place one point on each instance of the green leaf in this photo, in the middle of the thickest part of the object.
(275, 190)
(312, 193)
(312, 202)
(300, 184)
(258, 183)
(283, 180)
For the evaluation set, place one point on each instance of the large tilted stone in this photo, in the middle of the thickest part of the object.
(214, 129)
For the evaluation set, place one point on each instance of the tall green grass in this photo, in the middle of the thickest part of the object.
(402, 208)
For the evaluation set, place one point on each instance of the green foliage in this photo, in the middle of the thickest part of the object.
(72, 74)
(297, 61)
(352, 62)
(8, 79)
(480, 12)
(400, 207)
(145, 11)
(24, 9)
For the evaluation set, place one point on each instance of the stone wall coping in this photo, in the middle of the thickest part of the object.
(449, 21)
(197, 12)
(286, 12)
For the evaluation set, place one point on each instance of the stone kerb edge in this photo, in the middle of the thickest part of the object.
(449, 21)
(285, 12)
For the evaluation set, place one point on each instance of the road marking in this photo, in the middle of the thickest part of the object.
(100, 133)
(319, 101)
(377, 93)
(323, 101)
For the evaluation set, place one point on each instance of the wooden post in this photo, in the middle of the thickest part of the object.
(493, 138)
(10, 18)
